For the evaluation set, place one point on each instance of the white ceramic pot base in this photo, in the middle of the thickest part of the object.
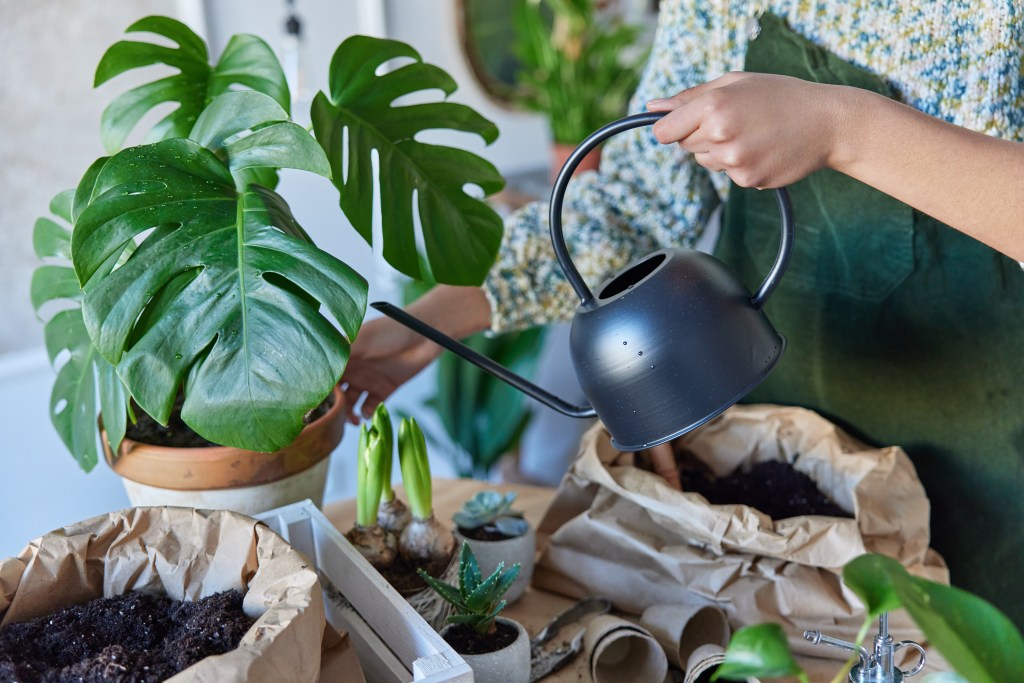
(248, 500)
(509, 665)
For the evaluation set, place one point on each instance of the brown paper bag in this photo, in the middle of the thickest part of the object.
(622, 532)
(185, 554)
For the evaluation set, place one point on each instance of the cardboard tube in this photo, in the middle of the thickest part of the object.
(681, 629)
(622, 651)
(702, 663)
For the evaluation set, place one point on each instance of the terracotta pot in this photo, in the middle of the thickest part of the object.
(510, 664)
(221, 477)
(560, 153)
(521, 549)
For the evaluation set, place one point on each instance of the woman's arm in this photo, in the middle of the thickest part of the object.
(768, 131)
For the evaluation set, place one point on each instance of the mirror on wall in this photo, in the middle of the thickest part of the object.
(487, 35)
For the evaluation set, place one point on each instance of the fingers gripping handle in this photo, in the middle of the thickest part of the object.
(558, 195)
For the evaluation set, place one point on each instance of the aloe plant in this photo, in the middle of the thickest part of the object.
(979, 642)
(191, 272)
(476, 600)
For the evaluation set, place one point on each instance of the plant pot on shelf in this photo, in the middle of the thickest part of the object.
(560, 154)
(509, 664)
(512, 550)
(221, 477)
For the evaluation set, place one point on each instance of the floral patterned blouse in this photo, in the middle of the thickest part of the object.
(958, 60)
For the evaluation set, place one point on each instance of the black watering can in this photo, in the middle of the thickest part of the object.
(666, 344)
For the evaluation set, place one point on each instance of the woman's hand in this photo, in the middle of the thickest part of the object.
(386, 354)
(763, 130)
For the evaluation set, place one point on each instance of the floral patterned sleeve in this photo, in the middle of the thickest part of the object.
(646, 196)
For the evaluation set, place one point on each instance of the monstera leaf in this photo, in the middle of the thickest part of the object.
(223, 294)
(247, 61)
(84, 373)
(460, 233)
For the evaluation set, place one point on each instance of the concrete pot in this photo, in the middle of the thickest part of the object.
(225, 478)
(522, 549)
(508, 665)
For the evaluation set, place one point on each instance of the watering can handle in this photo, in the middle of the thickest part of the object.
(593, 140)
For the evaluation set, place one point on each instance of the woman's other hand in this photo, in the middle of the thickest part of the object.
(386, 354)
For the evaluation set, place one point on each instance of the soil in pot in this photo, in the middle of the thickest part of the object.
(774, 487)
(466, 641)
(482, 533)
(134, 637)
(177, 434)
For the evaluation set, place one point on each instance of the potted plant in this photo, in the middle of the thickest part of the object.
(496, 648)
(189, 287)
(498, 534)
(979, 642)
(579, 68)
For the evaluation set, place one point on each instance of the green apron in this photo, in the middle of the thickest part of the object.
(902, 330)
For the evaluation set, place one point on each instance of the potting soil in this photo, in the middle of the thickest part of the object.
(466, 641)
(774, 487)
(136, 637)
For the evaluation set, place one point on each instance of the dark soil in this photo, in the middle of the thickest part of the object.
(484, 533)
(467, 641)
(177, 434)
(132, 638)
(774, 487)
(403, 577)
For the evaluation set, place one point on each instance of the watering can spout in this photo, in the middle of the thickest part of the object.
(483, 362)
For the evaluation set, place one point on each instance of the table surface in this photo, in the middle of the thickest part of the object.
(536, 607)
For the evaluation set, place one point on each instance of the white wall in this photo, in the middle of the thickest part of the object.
(50, 117)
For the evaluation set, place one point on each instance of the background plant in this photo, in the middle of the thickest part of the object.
(476, 600)
(483, 416)
(579, 68)
(979, 642)
(192, 273)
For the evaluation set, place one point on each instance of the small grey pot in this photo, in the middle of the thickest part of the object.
(510, 664)
(521, 549)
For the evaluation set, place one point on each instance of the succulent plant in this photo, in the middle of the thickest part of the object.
(492, 511)
(476, 600)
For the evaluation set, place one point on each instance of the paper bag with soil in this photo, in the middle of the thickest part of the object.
(187, 555)
(617, 530)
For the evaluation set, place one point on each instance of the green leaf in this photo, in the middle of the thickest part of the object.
(461, 234)
(235, 295)
(469, 570)
(85, 373)
(760, 650)
(871, 578)
(247, 61)
(978, 640)
(448, 592)
(270, 140)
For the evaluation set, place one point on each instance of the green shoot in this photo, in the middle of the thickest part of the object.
(412, 457)
(368, 477)
(382, 424)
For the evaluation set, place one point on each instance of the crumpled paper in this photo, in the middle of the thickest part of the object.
(623, 532)
(185, 554)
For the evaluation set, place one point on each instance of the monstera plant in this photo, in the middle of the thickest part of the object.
(187, 273)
